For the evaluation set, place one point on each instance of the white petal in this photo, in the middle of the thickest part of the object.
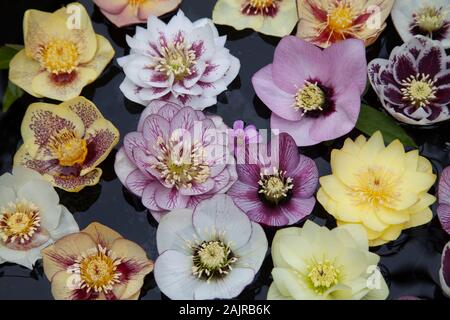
(67, 225)
(123, 166)
(24, 258)
(23, 174)
(233, 71)
(253, 253)
(175, 231)
(131, 91)
(133, 66)
(173, 275)
(6, 195)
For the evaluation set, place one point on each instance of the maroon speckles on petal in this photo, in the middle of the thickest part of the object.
(75, 182)
(86, 111)
(158, 77)
(198, 48)
(270, 10)
(98, 144)
(46, 124)
(63, 78)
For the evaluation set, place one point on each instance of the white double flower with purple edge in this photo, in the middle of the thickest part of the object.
(182, 61)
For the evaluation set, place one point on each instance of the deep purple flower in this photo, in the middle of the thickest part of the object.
(414, 84)
(314, 94)
(443, 209)
(280, 192)
(176, 158)
(444, 272)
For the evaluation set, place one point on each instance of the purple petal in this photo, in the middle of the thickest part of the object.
(443, 211)
(164, 109)
(123, 166)
(299, 130)
(297, 208)
(133, 140)
(136, 182)
(269, 216)
(443, 95)
(393, 95)
(155, 127)
(404, 67)
(148, 196)
(238, 124)
(216, 70)
(444, 187)
(248, 173)
(306, 177)
(289, 156)
(184, 120)
(445, 265)
(198, 188)
(169, 199)
(432, 61)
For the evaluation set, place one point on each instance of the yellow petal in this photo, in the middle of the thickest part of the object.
(84, 108)
(283, 22)
(424, 165)
(76, 183)
(393, 156)
(22, 71)
(371, 149)
(346, 167)
(411, 160)
(327, 202)
(392, 232)
(35, 33)
(61, 289)
(228, 13)
(370, 219)
(425, 200)
(360, 141)
(377, 242)
(45, 86)
(334, 187)
(351, 147)
(101, 234)
(390, 216)
(419, 218)
(102, 57)
(417, 182)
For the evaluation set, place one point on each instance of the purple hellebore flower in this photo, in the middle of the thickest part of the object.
(443, 209)
(444, 272)
(277, 194)
(176, 158)
(314, 94)
(414, 84)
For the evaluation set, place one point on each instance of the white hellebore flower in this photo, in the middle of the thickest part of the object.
(423, 17)
(183, 62)
(31, 217)
(211, 252)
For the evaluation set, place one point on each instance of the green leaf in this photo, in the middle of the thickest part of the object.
(7, 52)
(12, 93)
(370, 120)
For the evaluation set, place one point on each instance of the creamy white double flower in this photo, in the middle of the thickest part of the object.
(31, 217)
(183, 62)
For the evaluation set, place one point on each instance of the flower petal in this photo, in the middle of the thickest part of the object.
(22, 71)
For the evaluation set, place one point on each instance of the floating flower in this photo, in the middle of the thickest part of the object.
(314, 263)
(414, 84)
(444, 271)
(31, 217)
(66, 142)
(384, 189)
(426, 18)
(272, 17)
(443, 209)
(329, 21)
(96, 264)
(183, 62)
(211, 252)
(314, 95)
(177, 157)
(60, 57)
(277, 192)
(126, 12)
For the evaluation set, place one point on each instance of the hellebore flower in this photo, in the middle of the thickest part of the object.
(329, 21)
(443, 208)
(66, 142)
(127, 12)
(384, 189)
(271, 17)
(280, 192)
(314, 263)
(177, 157)
(444, 271)
(414, 84)
(241, 136)
(183, 62)
(426, 18)
(59, 59)
(314, 94)
(31, 217)
(96, 263)
(211, 252)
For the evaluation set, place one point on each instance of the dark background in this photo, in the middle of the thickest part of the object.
(410, 264)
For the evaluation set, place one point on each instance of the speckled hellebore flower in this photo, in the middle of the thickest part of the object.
(384, 189)
(314, 263)
(183, 62)
(177, 157)
(31, 217)
(127, 12)
(443, 208)
(414, 84)
(66, 142)
(62, 53)
(96, 263)
(329, 21)
(314, 94)
(444, 271)
(211, 252)
(419, 17)
(271, 17)
(277, 191)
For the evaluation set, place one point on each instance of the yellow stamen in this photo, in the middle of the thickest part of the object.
(59, 56)
(68, 149)
(323, 275)
(310, 97)
(275, 186)
(340, 18)
(430, 18)
(19, 221)
(177, 60)
(419, 90)
(261, 4)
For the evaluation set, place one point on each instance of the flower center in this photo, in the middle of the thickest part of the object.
(181, 164)
(263, 7)
(376, 186)
(68, 149)
(340, 18)
(323, 275)
(97, 270)
(419, 90)
(59, 56)
(310, 98)
(261, 4)
(275, 187)
(176, 59)
(19, 221)
(135, 3)
(212, 259)
(430, 19)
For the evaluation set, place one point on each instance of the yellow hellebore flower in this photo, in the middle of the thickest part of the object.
(62, 53)
(384, 189)
(314, 263)
(65, 143)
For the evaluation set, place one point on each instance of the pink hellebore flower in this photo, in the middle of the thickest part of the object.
(176, 158)
(314, 94)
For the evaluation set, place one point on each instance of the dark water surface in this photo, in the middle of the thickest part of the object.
(410, 264)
